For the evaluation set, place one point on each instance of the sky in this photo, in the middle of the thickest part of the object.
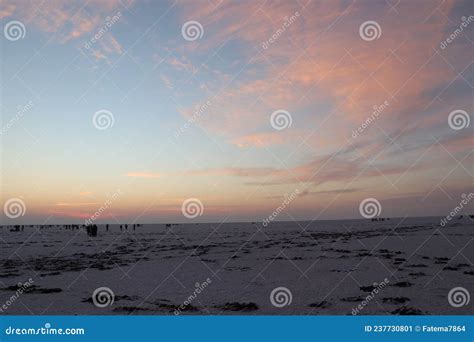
(128, 111)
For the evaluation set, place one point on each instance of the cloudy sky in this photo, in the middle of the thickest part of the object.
(137, 106)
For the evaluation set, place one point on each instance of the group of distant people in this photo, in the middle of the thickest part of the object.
(125, 226)
(92, 229)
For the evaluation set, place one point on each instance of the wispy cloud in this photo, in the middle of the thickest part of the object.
(145, 175)
(259, 140)
(71, 22)
(339, 72)
(77, 204)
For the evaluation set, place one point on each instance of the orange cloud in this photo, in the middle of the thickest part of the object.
(233, 171)
(83, 215)
(259, 140)
(76, 204)
(145, 175)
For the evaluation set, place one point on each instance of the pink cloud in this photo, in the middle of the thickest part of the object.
(258, 140)
(182, 64)
(322, 59)
(71, 21)
(7, 9)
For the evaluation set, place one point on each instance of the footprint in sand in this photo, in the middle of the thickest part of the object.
(236, 306)
(396, 300)
(405, 310)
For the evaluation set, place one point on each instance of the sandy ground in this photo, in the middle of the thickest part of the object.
(330, 267)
